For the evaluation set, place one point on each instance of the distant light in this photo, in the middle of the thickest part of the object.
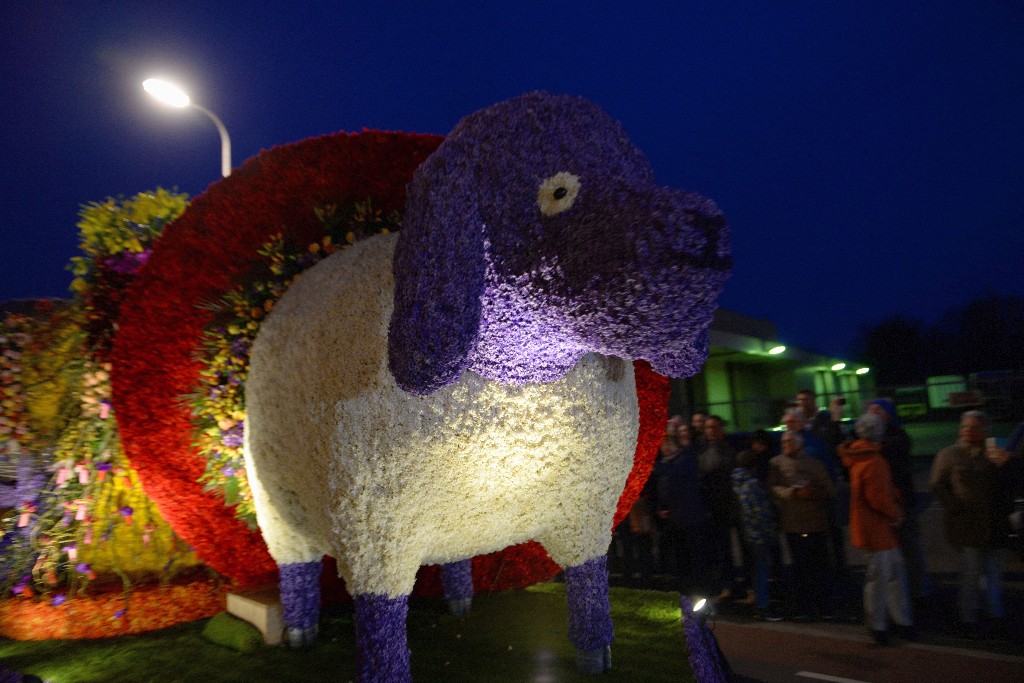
(838, 366)
(776, 350)
(166, 92)
(863, 371)
(699, 605)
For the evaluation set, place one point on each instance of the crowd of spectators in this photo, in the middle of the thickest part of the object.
(765, 526)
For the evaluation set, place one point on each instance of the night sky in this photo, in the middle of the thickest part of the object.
(868, 155)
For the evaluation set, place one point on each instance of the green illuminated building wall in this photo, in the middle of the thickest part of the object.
(749, 387)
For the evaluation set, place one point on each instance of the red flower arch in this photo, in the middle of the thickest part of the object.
(204, 254)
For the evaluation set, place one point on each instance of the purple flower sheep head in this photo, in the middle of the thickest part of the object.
(535, 234)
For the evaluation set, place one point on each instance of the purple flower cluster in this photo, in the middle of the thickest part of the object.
(19, 587)
(233, 437)
(457, 579)
(586, 587)
(127, 262)
(381, 639)
(300, 594)
(9, 675)
(494, 275)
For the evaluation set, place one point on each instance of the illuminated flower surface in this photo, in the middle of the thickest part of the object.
(399, 480)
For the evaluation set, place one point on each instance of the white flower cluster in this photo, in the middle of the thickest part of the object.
(343, 462)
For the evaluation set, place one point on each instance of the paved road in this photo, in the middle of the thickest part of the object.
(776, 653)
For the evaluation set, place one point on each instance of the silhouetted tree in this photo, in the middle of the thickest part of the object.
(895, 349)
(985, 334)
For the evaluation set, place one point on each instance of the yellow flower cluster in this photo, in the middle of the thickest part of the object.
(145, 546)
(51, 374)
(115, 226)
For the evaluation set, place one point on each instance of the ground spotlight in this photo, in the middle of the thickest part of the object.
(697, 608)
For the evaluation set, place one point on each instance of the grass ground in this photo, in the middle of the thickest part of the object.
(511, 636)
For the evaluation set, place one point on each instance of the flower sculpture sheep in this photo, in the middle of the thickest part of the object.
(459, 387)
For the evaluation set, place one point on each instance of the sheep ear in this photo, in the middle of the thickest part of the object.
(439, 273)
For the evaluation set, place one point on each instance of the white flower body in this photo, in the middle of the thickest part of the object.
(345, 463)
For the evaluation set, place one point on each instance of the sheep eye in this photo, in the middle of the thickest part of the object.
(557, 193)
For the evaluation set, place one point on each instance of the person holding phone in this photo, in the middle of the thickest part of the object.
(968, 481)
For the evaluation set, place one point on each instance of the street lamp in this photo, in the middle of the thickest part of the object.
(176, 97)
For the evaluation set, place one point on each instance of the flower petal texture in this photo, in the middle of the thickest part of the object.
(536, 234)
(344, 462)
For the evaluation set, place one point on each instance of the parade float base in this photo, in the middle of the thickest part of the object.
(509, 636)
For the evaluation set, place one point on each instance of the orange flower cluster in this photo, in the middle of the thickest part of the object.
(146, 608)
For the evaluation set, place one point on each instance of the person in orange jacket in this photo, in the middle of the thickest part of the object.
(875, 513)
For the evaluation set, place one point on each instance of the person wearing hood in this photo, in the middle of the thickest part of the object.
(875, 513)
(896, 449)
(760, 532)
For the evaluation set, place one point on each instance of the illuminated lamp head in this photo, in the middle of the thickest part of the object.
(536, 234)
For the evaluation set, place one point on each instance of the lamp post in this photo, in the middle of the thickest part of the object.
(176, 97)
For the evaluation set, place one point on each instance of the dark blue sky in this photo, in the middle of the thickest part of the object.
(868, 155)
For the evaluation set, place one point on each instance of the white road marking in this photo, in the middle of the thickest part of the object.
(826, 677)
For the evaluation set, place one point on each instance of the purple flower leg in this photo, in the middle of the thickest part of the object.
(704, 657)
(457, 579)
(590, 619)
(300, 598)
(9, 675)
(381, 640)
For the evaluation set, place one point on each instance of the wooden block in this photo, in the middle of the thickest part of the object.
(262, 608)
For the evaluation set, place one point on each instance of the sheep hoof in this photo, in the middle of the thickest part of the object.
(594, 661)
(298, 638)
(460, 606)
